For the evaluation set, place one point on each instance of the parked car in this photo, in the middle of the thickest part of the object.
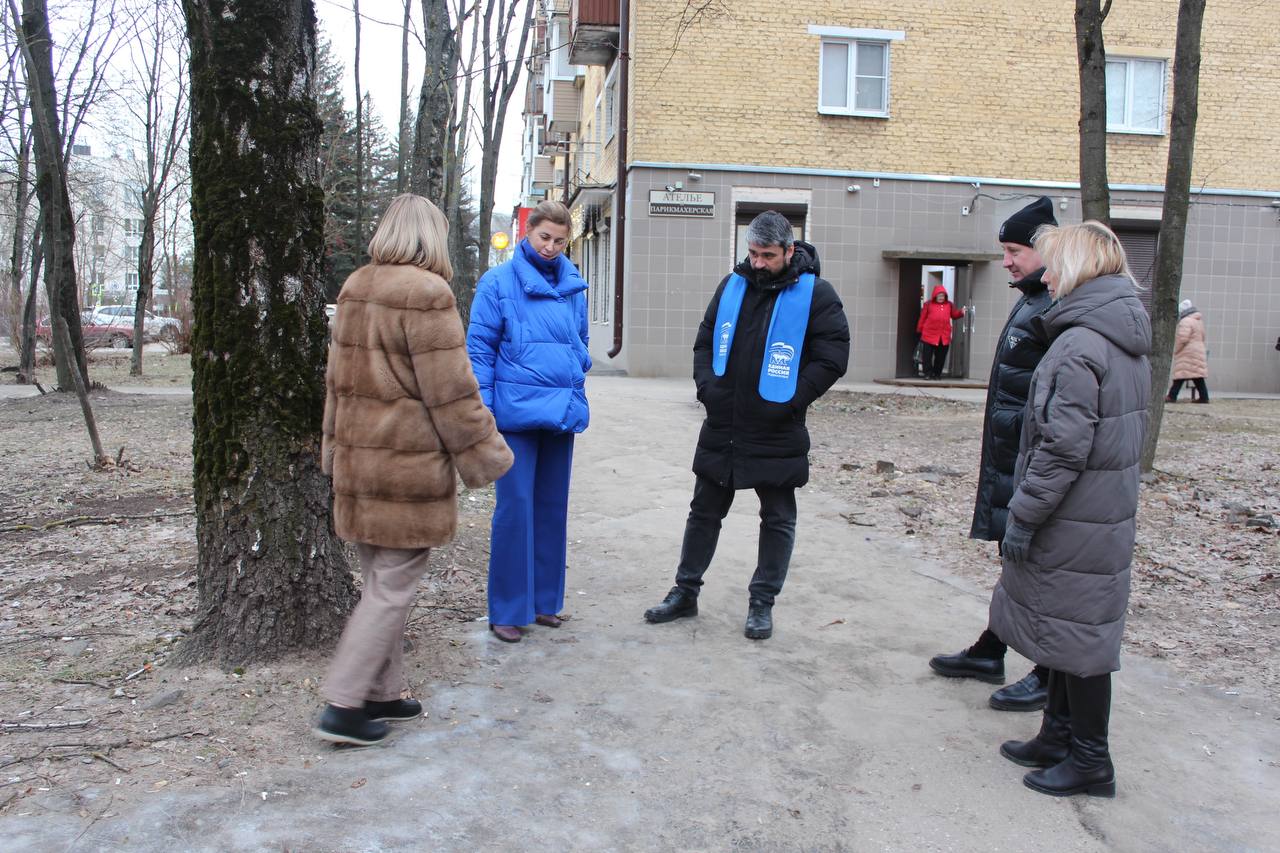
(96, 333)
(154, 327)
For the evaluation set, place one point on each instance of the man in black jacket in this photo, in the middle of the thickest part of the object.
(1018, 352)
(768, 318)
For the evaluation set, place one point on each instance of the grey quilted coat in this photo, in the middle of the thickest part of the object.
(1077, 477)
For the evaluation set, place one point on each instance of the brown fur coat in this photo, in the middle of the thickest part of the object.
(403, 411)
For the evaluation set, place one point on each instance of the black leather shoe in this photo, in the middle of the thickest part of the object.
(394, 709)
(349, 725)
(962, 665)
(759, 621)
(678, 604)
(1029, 694)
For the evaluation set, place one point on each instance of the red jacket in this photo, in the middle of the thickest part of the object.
(934, 325)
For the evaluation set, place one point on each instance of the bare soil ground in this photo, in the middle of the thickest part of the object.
(1206, 580)
(97, 581)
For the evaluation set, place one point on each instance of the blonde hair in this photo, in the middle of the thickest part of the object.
(1078, 253)
(413, 231)
(549, 211)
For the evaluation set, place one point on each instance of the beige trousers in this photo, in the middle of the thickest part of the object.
(369, 664)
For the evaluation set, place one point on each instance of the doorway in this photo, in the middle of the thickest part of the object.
(916, 281)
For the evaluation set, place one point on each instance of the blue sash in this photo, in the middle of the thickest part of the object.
(781, 365)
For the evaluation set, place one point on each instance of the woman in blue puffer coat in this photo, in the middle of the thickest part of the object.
(528, 345)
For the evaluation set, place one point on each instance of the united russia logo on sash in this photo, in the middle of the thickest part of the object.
(780, 356)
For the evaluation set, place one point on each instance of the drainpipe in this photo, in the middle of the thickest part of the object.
(620, 193)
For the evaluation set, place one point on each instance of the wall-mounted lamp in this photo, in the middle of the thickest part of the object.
(695, 176)
(1062, 203)
(673, 187)
(854, 188)
(1275, 202)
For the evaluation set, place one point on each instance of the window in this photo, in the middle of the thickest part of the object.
(853, 70)
(1135, 95)
(133, 227)
(131, 280)
(611, 103)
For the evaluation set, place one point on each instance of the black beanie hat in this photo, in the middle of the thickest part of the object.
(1020, 227)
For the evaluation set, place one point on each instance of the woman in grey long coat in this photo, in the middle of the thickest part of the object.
(1068, 545)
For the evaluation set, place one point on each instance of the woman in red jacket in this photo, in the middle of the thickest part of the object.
(934, 329)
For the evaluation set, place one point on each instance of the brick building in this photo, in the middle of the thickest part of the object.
(896, 136)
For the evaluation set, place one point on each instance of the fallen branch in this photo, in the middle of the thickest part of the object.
(77, 681)
(40, 727)
(82, 520)
(101, 757)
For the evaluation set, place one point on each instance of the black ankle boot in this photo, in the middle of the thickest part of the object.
(1053, 743)
(349, 725)
(759, 621)
(678, 603)
(1088, 768)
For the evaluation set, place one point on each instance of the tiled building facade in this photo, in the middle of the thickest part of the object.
(897, 136)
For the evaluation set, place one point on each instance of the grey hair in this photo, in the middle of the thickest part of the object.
(770, 229)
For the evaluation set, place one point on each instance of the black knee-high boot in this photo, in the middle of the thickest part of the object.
(1087, 769)
(1053, 743)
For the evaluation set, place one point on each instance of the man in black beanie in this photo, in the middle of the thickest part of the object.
(1018, 351)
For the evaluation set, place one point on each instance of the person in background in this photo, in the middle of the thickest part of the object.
(528, 344)
(1018, 351)
(1068, 545)
(1190, 354)
(402, 420)
(934, 329)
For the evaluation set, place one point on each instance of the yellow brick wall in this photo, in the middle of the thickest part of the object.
(601, 166)
(975, 89)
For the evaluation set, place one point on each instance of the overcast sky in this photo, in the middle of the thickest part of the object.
(380, 76)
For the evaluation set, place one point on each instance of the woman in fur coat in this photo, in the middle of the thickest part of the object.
(402, 420)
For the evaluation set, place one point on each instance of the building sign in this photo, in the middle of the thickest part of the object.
(679, 203)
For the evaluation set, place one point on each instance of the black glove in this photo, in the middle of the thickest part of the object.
(1017, 542)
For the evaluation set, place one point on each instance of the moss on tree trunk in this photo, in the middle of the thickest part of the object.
(272, 577)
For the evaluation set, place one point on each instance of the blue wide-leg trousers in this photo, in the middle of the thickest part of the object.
(527, 546)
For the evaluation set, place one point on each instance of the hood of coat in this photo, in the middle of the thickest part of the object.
(1107, 305)
(1031, 284)
(1188, 311)
(804, 259)
(534, 283)
(938, 288)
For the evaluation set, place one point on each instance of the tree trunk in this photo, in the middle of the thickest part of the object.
(500, 79)
(27, 359)
(146, 279)
(271, 575)
(1173, 219)
(1095, 194)
(435, 102)
(403, 140)
(51, 188)
(58, 329)
(18, 255)
(359, 246)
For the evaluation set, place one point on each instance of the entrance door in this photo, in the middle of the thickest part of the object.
(962, 329)
(916, 280)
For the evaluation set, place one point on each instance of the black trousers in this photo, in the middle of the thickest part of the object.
(991, 646)
(1200, 387)
(710, 504)
(932, 358)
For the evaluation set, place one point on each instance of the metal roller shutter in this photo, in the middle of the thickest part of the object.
(1140, 247)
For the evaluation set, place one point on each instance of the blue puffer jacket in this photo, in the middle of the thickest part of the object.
(528, 345)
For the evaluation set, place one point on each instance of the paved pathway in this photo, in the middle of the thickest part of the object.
(614, 735)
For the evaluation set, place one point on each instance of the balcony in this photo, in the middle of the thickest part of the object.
(593, 31)
(563, 104)
(543, 173)
(533, 97)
